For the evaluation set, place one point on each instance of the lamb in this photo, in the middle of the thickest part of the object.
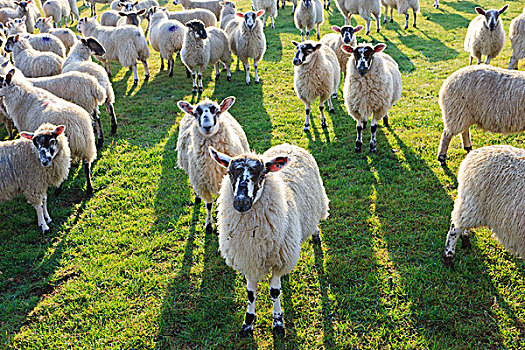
(309, 13)
(485, 35)
(32, 164)
(203, 125)
(66, 35)
(228, 13)
(23, 9)
(517, 40)
(79, 60)
(125, 44)
(268, 205)
(211, 5)
(58, 10)
(270, 8)
(365, 8)
(488, 96)
(29, 107)
(207, 17)
(247, 40)
(344, 35)
(491, 193)
(166, 36)
(372, 86)
(316, 74)
(39, 42)
(402, 7)
(199, 50)
(31, 62)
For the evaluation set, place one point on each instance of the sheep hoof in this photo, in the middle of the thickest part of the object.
(468, 149)
(200, 89)
(323, 125)
(442, 159)
(334, 95)
(197, 200)
(171, 74)
(246, 332)
(306, 127)
(406, 27)
(209, 229)
(373, 148)
(414, 25)
(135, 81)
(465, 242)
(448, 260)
(229, 78)
(367, 32)
(194, 90)
(358, 146)
(278, 330)
(257, 82)
(161, 67)
(331, 110)
(45, 231)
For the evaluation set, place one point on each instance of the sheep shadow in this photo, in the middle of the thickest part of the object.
(404, 62)
(432, 48)
(464, 6)
(447, 20)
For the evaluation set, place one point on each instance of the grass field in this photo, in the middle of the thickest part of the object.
(132, 267)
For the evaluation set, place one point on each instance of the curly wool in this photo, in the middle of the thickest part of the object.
(287, 213)
(517, 39)
(307, 18)
(246, 43)
(33, 63)
(481, 41)
(166, 36)
(365, 8)
(335, 41)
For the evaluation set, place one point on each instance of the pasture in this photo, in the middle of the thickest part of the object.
(132, 268)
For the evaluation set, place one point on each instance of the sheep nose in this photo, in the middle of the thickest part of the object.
(296, 62)
(207, 129)
(242, 203)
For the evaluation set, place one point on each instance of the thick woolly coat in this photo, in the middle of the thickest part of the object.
(482, 41)
(199, 53)
(307, 18)
(364, 8)
(335, 41)
(66, 35)
(402, 6)
(244, 42)
(206, 16)
(166, 35)
(517, 37)
(33, 63)
(211, 5)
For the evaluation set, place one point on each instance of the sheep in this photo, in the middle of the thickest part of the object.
(166, 36)
(130, 18)
(372, 86)
(39, 42)
(365, 8)
(211, 5)
(247, 40)
(228, 13)
(22, 9)
(270, 8)
(8, 123)
(33, 163)
(517, 40)
(79, 60)
(31, 62)
(58, 10)
(74, 10)
(29, 107)
(66, 35)
(119, 5)
(343, 35)
(207, 17)
(125, 44)
(268, 205)
(109, 18)
(485, 35)
(294, 2)
(207, 124)
(145, 4)
(203, 46)
(316, 74)
(402, 7)
(488, 96)
(490, 194)
(92, 5)
(309, 13)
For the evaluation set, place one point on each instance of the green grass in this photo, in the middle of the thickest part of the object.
(132, 268)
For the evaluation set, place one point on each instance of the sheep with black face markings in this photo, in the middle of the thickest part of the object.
(308, 15)
(40, 42)
(517, 40)
(344, 35)
(203, 125)
(268, 205)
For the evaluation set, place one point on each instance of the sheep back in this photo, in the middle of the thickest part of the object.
(269, 6)
(206, 16)
(517, 36)
(219, 46)
(365, 8)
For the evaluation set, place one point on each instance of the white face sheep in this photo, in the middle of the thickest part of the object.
(66, 35)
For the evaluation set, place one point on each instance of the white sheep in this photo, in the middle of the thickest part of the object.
(66, 35)
(145, 4)
(228, 13)
(109, 18)
(490, 97)
(166, 36)
(206, 16)
(294, 3)
(517, 40)
(491, 192)
(31, 62)
(32, 164)
(402, 7)
(372, 86)
(485, 35)
(364, 8)
(316, 74)
(22, 9)
(309, 13)
(269, 7)
(119, 5)
(211, 5)
(207, 124)
(247, 40)
(40, 42)
(344, 35)
(132, 18)
(125, 44)
(29, 107)
(58, 10)
(202, 47)
(268, 205)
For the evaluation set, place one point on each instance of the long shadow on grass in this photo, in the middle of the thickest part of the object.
(447, 20)
(403, 61)
(464, 6)
(432, 48)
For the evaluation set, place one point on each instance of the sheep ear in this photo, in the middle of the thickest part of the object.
(23, 19)
(347, 48)
(219, 157)
(164, 8)
(357, 29)
(276, 164)
(317, 46)
(222, 3)
(27, 135)
(240, 14)
(59, 130)
(185, 106)
(480, 11)
(95, 17)
(295, 43)
(122, 14)
(17, 37)
(141, 12)
(134, 4)
(260, 13)
(5, 64)
(9, 76)
(379, 47)
(17, 3)
(503, 9)
(227, 103)
(47, 19)
(336, 29)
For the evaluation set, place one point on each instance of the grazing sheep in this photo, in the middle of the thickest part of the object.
(207, 124)
(402, 7)
(228, 13)
(269, 7)
(58, 10)
(491, 194)
(92, 4)
(316, 74)
(517, 40)
(79, 60)
(125, 44)
(207, 17)
(309, 14)
(132, 18)
(268, 205)
(66, 35)
(39, 42)
(29, 107)
(166, 36)
(31, 62)
(211, 5)
(365, 9)
(372, 86)
(32, 164)
(247, 40)
(344, 35)
(485, 35)
(202, 47)
(488, 96)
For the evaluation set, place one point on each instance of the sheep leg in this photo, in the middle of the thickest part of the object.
(307, 34)
(513, 63)
(378, 21)
(249, 320)
(373, 141)
(209, 217)
(359, 140)
(446, 137)
(318, 35)
(171, 61)
(201, 88)
(247, 70)
(391, 15)
(275, 294)
(293, 8)
(436, 4)
(135, 74)
(111, 112)
(450, 245)
(264, 21)
(316, 239)
(228, 71)
(368, 26)
(97, 128)
(386, 14)
(161, 63)
(470, 60)
(307, 117)
(330, 105)
(465, 138)
(46, 213)
(406, 21)
(194, 76)
(385, 121)
(415, 16)
(302, 35)
(41, 219)
(217, 71)
(146, 69)
(188, 73)
(87, 171)
(321, 109)
(256, 67)
(479, 59)
(271, 19)
(487, 61)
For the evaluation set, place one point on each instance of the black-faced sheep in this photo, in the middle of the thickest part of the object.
(344, 35)
(309, 14)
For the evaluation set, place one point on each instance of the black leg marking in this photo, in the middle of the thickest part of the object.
(316, 239)
(468, 149)
(274, 293)
(385, 121)
(87, 171)
(247, 327)
(465, 242)
(442, 159)
(197, 200)
(209, 228)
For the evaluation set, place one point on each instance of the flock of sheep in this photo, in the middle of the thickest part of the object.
(267, 204)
